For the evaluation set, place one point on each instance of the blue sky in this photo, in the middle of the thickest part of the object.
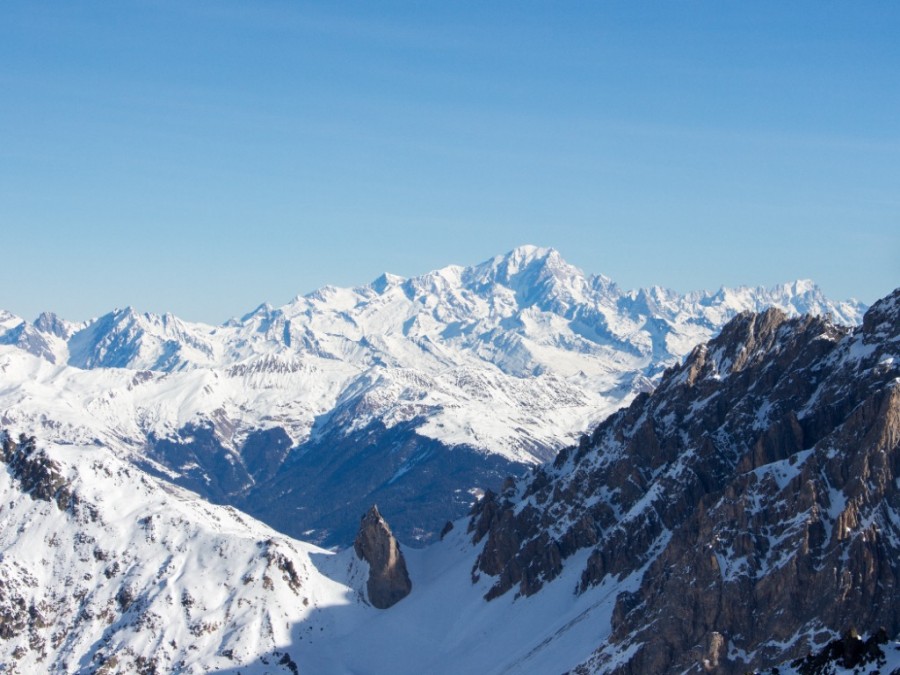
(203, 157)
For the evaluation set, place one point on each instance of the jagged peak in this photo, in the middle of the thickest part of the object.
(385, 282)
(373, 515)
(48, 322)
(787, 289)
(537, 276)
(262, 310)
(522, 258)
(746, 334)
(125, 312)
(883, 317)
(800, 287)
(527, 252)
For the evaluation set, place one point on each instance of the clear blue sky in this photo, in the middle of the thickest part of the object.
(203, 157)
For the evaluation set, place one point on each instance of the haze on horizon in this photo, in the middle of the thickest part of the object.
(204, 157)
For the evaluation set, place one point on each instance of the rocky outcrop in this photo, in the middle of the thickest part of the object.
(388, 581)
(849, 653)
(753, 500)
(38, 475)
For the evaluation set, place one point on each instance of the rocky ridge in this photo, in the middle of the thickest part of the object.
(848, 654)
(754, 497)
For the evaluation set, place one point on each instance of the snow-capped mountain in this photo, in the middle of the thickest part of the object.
(450, 380)
(745, 512)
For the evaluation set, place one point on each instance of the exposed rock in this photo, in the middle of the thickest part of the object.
(753, 498)
(105, 570)
(30, 339)
(388, 581)
(847, 652)
(39, 476)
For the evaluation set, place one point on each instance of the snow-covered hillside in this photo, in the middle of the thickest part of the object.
(511, 358)
(108, 570)
(105, 569)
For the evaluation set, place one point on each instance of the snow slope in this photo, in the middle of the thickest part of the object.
(119, 569)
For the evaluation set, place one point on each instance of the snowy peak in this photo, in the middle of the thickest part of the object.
(29, 339)
(385, 282)
(537, 276)
(522, 265)
(48, 322)
(126, 339)
(799, 297)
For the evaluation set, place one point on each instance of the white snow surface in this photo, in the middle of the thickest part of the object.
(140, 569)
(144, 569)
(548, 350)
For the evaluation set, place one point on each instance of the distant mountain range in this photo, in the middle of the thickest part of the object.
(743, 514)
(410, 392)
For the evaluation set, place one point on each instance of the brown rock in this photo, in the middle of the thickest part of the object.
(388, 581)
(755, 491)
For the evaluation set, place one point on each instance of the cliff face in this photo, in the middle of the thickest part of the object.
(388, 581)
(37, 474)
(754, 495)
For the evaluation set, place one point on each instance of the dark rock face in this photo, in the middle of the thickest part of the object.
(39, 476)
(388, 581)
(754, 500)
(49, 323)
(848, 652)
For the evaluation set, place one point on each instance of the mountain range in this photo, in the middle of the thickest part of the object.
(304, 415)
(743, 514)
